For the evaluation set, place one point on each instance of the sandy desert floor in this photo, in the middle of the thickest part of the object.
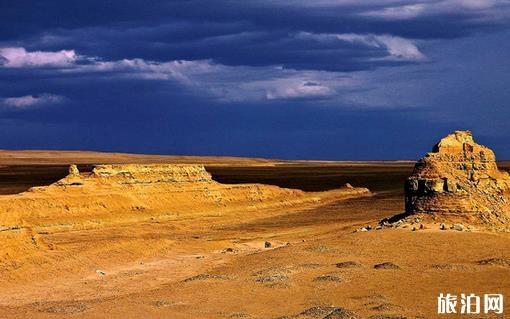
(219, 267)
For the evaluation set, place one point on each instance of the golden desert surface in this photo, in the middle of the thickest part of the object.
(166, 237)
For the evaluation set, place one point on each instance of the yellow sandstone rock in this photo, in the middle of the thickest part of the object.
(113, 194)
(460, 180)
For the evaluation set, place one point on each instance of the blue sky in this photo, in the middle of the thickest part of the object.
(300, 79)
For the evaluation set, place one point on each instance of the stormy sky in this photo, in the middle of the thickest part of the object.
(322, 79)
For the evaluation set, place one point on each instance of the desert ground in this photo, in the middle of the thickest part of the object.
(299, 260)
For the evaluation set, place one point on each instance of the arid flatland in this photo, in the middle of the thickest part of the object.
(218, 265)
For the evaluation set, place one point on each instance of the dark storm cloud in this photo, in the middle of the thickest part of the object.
(297, 79)
(405, 18)
(252, 33)
(229, 44)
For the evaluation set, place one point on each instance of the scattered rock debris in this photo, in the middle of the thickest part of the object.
(494, 262)
(387, 317)
(348, 264)
(272, 275)
(449, 267)
(240, 315)
(206, 277)
(326, 278)
(386, 307)
(229, 250)
(386, 265)
(324, 312)
(322, 249)
(65, 308)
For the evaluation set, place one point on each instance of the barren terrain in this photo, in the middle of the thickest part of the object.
(292, 260)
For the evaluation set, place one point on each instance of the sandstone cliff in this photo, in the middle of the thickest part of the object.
(460, 181)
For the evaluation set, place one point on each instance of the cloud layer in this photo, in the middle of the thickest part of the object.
(20, 58)
(28, 101)
(289, 78)
(227, 83)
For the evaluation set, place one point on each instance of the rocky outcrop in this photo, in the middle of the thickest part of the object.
(148, 174)
(112, 194)
(460, 179)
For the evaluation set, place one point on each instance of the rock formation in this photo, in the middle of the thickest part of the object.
(73, 170)
(112, 194)
(460, 181)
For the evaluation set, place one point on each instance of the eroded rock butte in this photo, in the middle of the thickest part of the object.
(135, 192)
(460, 181)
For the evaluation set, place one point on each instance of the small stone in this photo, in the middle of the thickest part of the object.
(386, 265)
(267, 244)
(326, 278)
(348, 264)
(341, 313)
(100, 272)
(442, 227)
(458, 227)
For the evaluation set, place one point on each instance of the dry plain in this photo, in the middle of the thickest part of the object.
(217, 265)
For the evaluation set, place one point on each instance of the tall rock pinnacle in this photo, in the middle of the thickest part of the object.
(460, 181)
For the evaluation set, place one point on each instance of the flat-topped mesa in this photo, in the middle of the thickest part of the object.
(154, 172)
(460, 179)
(133, 192)
(138, 174)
